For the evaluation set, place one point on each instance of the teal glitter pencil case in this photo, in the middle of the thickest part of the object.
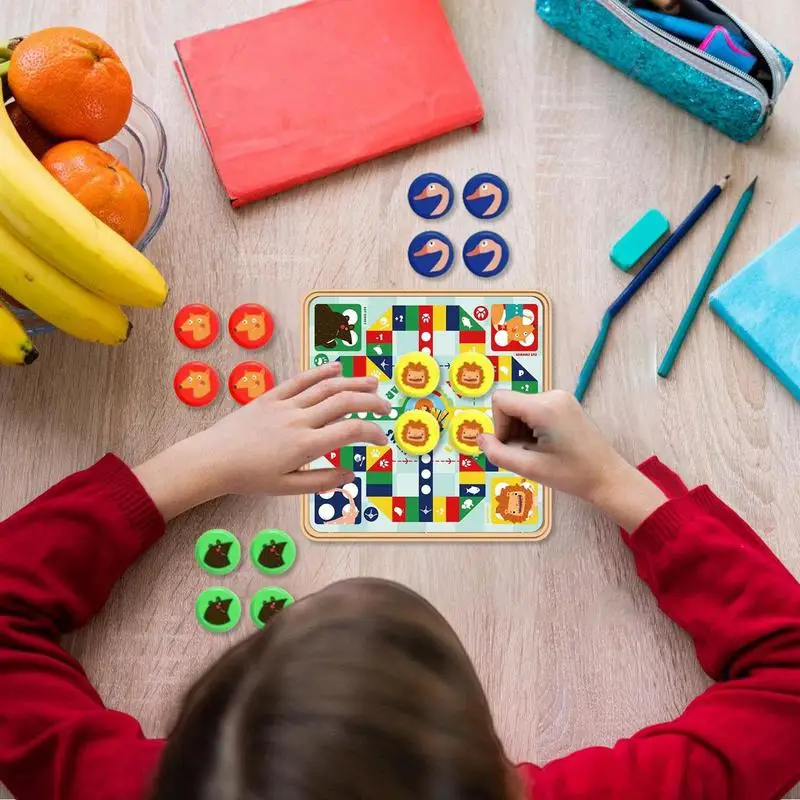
(733, 101)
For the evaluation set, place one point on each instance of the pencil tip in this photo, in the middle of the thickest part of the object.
(753, 184)
(724, 182)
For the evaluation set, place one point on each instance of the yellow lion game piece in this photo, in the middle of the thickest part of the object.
(466, 427)
(416, 433)
(416, 374)
(471, 374)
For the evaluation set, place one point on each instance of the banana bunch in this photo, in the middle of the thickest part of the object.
(59, 260)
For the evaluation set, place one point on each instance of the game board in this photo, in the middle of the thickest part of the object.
(443, 495)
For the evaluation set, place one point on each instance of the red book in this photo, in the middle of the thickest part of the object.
(316, 88)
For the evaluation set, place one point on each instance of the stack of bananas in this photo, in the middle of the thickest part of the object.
(60, 261)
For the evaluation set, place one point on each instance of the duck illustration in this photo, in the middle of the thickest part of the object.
(436, 189)
(491, 190)
(435, 247)
(488, 246)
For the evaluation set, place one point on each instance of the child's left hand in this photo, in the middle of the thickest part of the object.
(261, 448)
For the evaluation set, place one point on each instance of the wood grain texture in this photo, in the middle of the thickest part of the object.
(571, 647)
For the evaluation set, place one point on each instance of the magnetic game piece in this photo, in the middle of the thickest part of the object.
(431, 196)
(218, 609)
(416, 432)
(465, 428)
(486, 196)
(218, 552)
(471, 374)
(416, 374)
(250, 380)
(196, 384)
(486, 254)
(251, 326)
(649, 232)
(196, 326)
(273, 552)
(267, 603)
(431, 254)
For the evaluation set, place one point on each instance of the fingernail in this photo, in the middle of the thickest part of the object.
(348, 477)
(336, 366)
(481, 441)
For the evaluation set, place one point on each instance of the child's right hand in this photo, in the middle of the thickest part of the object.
(549, 439)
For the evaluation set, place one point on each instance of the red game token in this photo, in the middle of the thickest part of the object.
(249, 380)
(196, 384)
(196, 326)
(251, 326)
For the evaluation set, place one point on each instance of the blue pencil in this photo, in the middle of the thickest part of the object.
(588, 370)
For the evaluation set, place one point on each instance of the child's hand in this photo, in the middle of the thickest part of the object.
(261, 448)
(549, 439)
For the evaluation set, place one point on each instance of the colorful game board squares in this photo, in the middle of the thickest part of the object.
(468, 464)
(383, 504)
(353, 458)
(333, 457)
(380, 459)
(381, 367)
(382, 323)
(405, 318)
(399, 509)
(353, 366)
(379, 338)
(466, 505)
(474, 490)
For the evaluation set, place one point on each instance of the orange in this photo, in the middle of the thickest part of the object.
(101, 183)
(39, 141)
(72, 83)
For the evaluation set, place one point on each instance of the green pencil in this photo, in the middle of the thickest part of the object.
(705, 282)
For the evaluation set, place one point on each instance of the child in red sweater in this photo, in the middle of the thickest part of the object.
(362, 691)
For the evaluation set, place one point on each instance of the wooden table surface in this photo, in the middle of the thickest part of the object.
(570, 645)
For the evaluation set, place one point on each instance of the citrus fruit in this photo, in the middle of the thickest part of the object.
(72, 83)
(102, 183)
(35, 137)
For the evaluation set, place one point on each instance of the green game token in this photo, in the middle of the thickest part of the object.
(273, 552)
(266, 603)
(218, 609)
(218, 552)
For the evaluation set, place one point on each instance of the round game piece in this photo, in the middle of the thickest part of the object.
(196, 326)
(486, 196)
(486, 254)
(416, 374)
(268, 602)
(218, 609)
(471, 374)
(218, 552)
(196, 384)
(431, 196)
(416, 433)
(273, 552)
(251, 326)
(465, 428)
(249, 380)
(431, 254)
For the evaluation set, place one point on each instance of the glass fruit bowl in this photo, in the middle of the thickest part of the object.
(142, 146)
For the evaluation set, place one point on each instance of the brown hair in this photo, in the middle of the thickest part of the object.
(359, 692)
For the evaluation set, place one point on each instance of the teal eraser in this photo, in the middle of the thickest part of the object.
(640, 240)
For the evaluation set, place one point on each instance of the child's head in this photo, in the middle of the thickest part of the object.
(359, 692)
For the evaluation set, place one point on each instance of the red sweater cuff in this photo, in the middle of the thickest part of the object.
(130, 496)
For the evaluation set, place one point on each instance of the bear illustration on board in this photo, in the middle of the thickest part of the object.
(331, 326)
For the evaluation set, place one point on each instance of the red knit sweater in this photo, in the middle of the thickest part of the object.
(710, 572)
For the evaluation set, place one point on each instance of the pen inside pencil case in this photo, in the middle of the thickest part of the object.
(707, 29)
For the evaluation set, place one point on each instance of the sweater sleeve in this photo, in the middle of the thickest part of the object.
(59, 558)
(740, 740)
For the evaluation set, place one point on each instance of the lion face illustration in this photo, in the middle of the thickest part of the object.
(468, 432)
(416, 375)
(514, 503)
(416, 434)
(470, 375)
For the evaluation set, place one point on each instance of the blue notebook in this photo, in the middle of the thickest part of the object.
(762, 306)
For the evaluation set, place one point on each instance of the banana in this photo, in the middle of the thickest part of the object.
(16, 349)
(55, 297)
(43, 215)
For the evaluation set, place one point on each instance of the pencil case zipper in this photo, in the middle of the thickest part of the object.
(711, 65)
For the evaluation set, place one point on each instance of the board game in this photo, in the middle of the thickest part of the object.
(444, 494)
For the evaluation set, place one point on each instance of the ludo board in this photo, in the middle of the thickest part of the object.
(443, 495)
